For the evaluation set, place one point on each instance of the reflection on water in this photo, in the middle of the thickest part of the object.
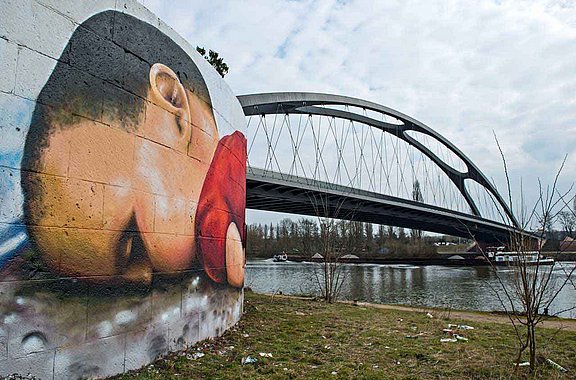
(470, 288)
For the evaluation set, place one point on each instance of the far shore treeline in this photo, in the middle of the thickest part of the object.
(303, 238)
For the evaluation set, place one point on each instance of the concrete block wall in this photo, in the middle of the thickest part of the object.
(122, 190)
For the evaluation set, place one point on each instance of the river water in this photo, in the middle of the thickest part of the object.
(470, 288)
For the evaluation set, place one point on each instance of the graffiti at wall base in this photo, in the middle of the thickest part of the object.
(122, 228)
(86, 330)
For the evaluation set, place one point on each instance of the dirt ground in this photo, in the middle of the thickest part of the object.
(551, 323)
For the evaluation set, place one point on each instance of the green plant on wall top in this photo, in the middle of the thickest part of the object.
(214, 59)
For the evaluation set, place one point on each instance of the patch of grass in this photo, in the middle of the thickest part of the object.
(312, 339)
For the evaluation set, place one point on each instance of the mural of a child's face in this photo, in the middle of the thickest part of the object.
(124, 203)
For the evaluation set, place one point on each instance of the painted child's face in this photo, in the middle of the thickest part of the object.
(124, 203)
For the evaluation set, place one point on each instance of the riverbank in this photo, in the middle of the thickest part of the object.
(455, 260)
(293, 337)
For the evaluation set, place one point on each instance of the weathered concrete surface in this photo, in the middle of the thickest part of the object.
(122, 190)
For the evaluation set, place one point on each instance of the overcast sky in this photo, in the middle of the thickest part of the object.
(464, 68)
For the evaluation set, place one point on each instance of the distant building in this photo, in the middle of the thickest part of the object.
(568, 245)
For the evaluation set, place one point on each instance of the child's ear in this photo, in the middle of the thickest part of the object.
(170, 94)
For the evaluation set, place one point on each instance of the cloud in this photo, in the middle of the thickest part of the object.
(467, 69)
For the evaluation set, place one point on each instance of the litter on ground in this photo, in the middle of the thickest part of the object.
(249, 360)
(461, 327)
(194, 356)
(556, 365)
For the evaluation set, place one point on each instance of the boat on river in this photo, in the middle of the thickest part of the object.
(530, 258)
(280, 258)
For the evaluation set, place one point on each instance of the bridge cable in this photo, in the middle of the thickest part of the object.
(255, 134)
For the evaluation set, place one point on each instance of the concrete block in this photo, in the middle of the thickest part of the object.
(135, 37)
(38, 322)
(228, 107)
(53, 159)
(136, 354)
(128, 312)
(122, 109)
(224, 126)
(156, 167)
(102, 154)
(40, 365)
(234, 312)
(78, 252)
(146, 345)
(202, 145)
(166, 295)
(14, 123)
(3, 343)
(35, 26)
(164, 127)
(78, 12)
(118, 209)
(8, 60)
(137, 10)
(189, 332)
(32, 72)
(174, 215)
(99, 358)
(11, 198)
(68, 202)
(211, 325)
(238, 120)
(74, 93)
(100, 57)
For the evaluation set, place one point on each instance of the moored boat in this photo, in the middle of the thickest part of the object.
(280, 258)
(503, 258)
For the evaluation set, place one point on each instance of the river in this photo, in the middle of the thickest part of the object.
(469, 288)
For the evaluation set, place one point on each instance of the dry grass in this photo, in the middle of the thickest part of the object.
(311, 339)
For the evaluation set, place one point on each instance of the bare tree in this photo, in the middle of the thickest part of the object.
(308, 232)
(545, 220)
(336, 239)
(568, 222)
(527, 300)
(380, 238)
(417, 197)
(369, 236)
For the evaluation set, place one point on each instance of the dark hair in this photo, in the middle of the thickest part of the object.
(103, 74)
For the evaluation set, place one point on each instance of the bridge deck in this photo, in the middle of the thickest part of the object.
(272, 191)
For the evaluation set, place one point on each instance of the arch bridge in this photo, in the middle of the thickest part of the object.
(346, 158)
